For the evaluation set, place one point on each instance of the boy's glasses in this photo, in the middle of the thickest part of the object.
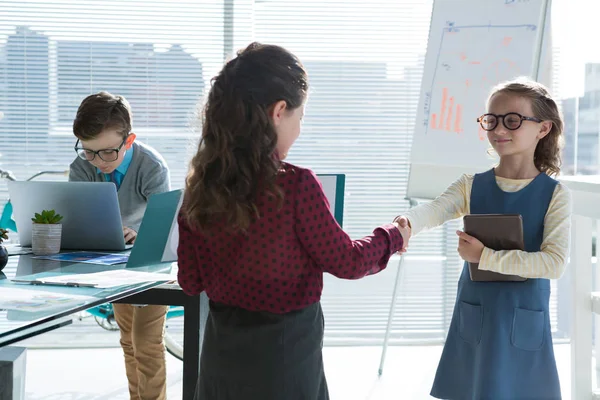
(512, 121)
(106, 155)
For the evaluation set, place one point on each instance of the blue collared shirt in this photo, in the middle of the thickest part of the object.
(121, 170)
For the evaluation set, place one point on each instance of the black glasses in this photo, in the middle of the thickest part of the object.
(512, 121)
(106, 155)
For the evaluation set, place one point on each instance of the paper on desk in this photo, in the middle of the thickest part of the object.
(87, 257)
(37, 300)
(107, 279)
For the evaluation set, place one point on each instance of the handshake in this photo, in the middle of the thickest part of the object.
(403, 226)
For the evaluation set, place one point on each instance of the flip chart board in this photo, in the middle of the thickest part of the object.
(473, 45)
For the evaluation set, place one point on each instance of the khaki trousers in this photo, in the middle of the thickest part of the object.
(142, 330)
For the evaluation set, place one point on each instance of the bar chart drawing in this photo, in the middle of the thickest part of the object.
(468, 55)
(463, 76)
(448, 118)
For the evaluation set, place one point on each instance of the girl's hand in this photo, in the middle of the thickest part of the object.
(469, 248)
(404, 227)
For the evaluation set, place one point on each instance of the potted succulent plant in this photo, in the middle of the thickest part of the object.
(3, 251)
(46, 233)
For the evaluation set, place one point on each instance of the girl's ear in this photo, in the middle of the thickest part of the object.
(276, 112)
(545, 128)
(130, 139)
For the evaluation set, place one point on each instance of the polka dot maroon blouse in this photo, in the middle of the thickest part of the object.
(278, 265)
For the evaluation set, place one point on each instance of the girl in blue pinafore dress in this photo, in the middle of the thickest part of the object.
(499, 345)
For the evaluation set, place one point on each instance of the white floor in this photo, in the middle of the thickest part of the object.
(98, 374)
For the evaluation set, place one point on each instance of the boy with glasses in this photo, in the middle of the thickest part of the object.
(107, 152)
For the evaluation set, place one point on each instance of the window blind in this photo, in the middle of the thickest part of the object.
(364, 60)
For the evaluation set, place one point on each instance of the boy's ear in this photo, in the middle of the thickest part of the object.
(130, 140)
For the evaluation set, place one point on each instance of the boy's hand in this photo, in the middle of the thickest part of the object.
(129, 235)
(469, 248)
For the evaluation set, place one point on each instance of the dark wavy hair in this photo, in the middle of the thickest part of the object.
(236, 158)
(547, 156)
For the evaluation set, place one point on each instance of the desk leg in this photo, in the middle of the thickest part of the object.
(191, 346)
(12, 373)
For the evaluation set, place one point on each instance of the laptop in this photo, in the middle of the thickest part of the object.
(158, 235)
(90, 210)
(156, 242)
(334, 186)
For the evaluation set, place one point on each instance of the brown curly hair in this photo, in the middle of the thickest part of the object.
(547, 156)
(236, 158)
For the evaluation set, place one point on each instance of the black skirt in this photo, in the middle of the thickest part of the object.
(250, 355)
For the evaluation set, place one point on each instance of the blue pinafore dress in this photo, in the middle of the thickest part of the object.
(499, 345)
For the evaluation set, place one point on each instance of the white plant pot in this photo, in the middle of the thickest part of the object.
(45, 239)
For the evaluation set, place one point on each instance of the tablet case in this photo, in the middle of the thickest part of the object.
(497, 232)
